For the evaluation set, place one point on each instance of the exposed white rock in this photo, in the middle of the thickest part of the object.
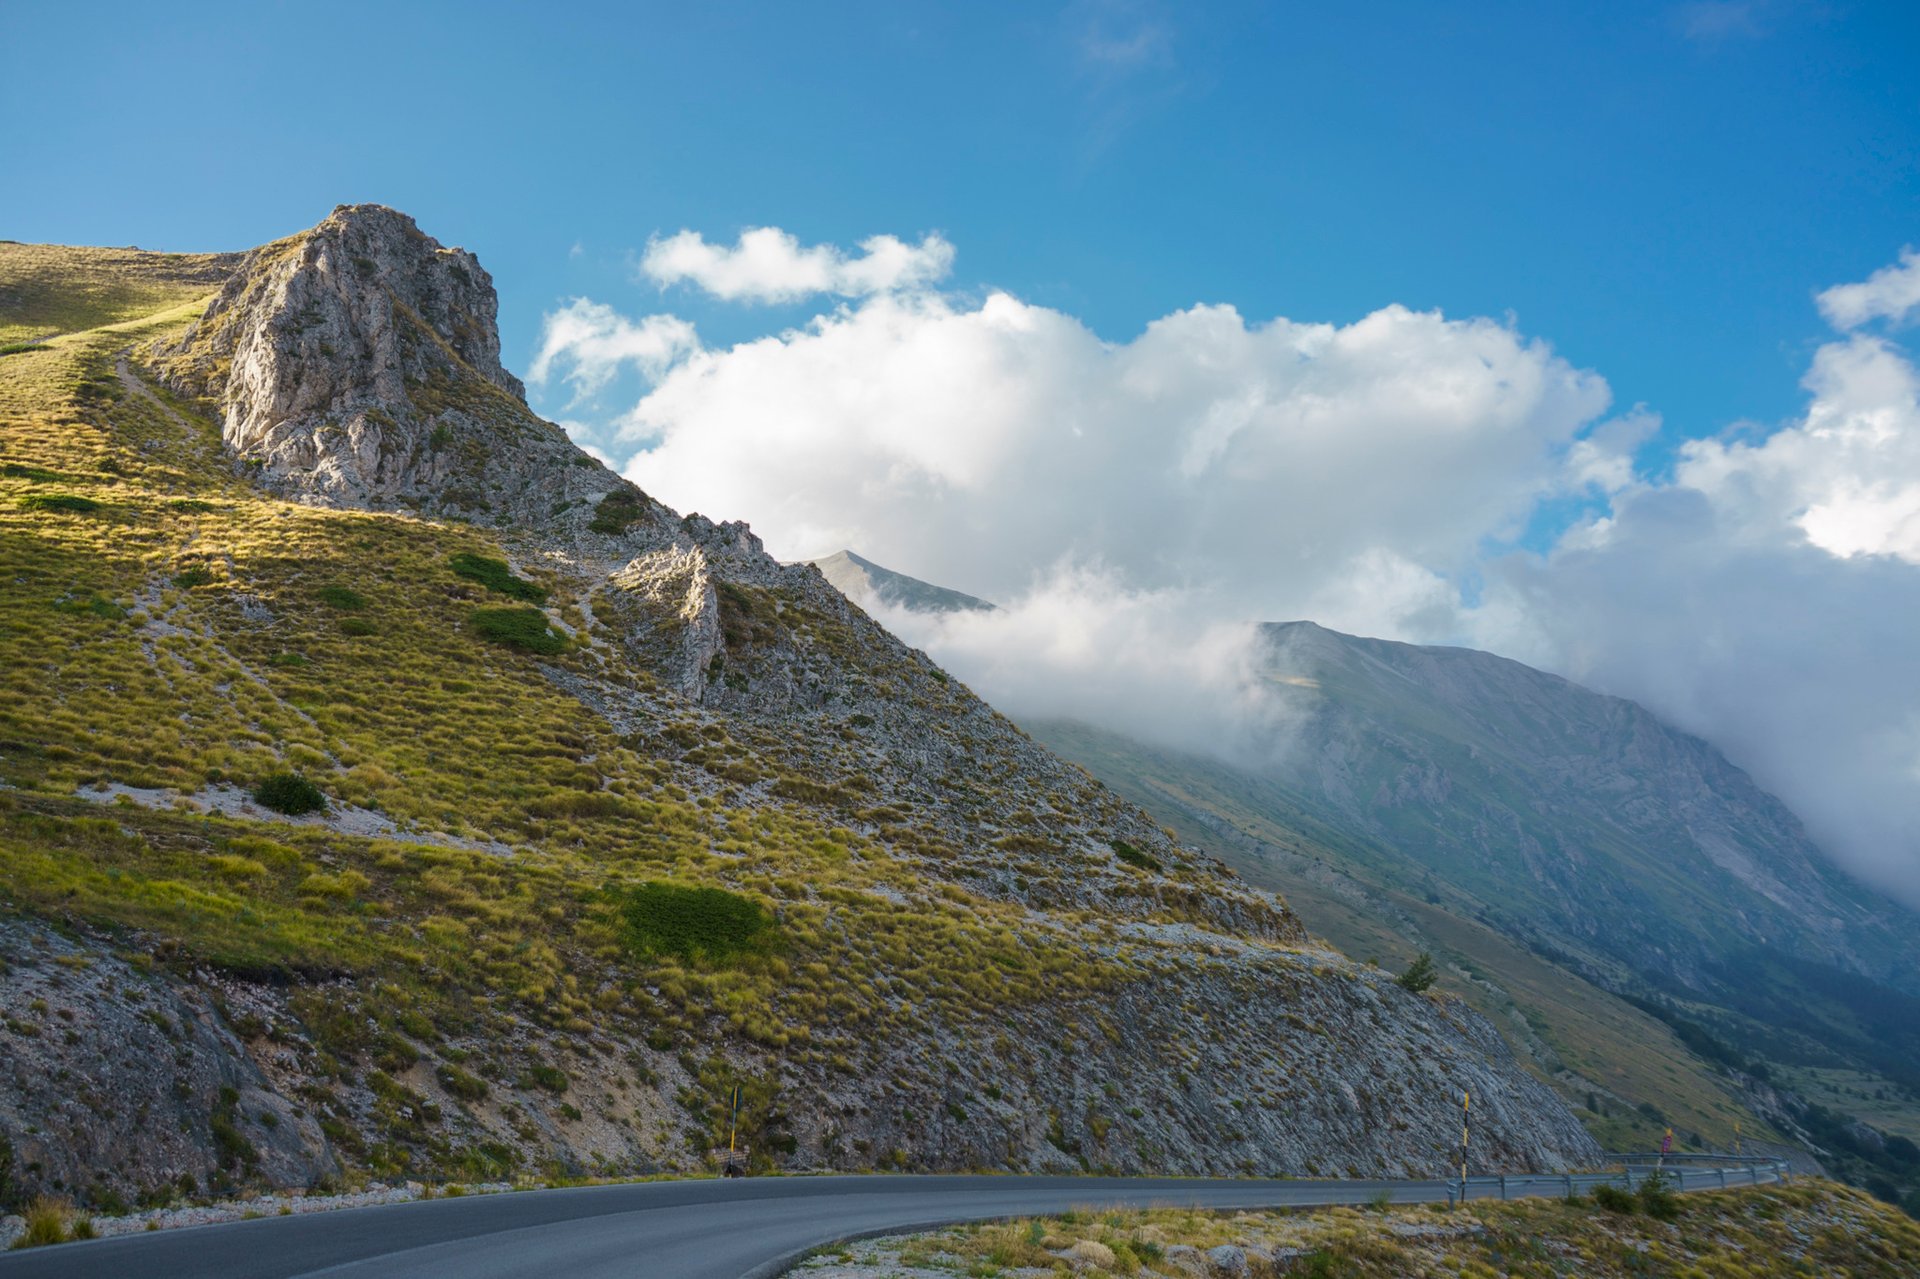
(676, 591)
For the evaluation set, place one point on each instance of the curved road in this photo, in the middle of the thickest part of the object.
(750, 1229)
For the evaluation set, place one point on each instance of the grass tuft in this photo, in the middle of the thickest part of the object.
(38, 474)
(46, 1220)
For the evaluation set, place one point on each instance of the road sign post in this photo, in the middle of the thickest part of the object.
(735, 1163)
(1466, 1131)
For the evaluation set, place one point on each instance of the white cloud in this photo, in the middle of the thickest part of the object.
(769, 265)
(1080, 642)
(1892, 293)
(1847, 476)
(591, 342)
(977, 444)
(1134, 504)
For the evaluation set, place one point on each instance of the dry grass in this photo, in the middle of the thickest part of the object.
(48, 1221)
(48, 289)
(1810, 1228)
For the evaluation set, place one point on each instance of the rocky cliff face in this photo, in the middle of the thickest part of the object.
(359, 363)
(982, 958)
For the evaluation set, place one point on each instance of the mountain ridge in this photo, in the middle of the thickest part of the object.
(866, 583)
(1501, 717)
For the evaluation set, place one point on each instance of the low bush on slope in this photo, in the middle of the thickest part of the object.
(496, 576)
(708, 925)
(519, 628)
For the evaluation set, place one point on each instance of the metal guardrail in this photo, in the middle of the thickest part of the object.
(1691, 1173)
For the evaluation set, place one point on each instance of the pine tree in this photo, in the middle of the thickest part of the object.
(1420, 974)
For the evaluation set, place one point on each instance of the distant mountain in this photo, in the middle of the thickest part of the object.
(1580, 819)
(866, 583)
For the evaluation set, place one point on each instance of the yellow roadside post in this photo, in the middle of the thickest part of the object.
(733, 1128)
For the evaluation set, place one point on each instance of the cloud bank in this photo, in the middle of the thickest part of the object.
(1136, 504)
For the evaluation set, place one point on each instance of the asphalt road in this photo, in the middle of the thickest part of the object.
(671, 1229)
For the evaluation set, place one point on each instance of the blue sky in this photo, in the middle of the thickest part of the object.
(1657, 189)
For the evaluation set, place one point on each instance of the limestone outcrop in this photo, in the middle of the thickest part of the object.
(359, 363)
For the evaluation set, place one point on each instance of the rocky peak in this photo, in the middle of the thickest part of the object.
(359, 362)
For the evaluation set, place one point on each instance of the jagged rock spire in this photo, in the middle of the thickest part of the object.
(359, 362)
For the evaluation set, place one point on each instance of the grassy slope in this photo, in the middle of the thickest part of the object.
(164, 624)
(48, 289)
(1808, 1228)
(1857, 1093)
(1613, 1047)
(132, 652)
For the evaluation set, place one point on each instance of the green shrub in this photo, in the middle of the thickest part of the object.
(708, 924)
(21, 348)
(188, 504)
(551, 1078)
(89, 604)
(359, 627)
(1614, 1199)
(521, 627)
(229, 1142)
(460, 1083)
(190, 578)
(1657, 1199)
(71, 503)
(40, 475)
(289, 793)
(496, 576)
(1133, 856)
(1420, 974)
(339, 597)
(487, 1161)
(617, 510)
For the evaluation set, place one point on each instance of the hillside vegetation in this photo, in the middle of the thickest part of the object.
(1810, 1228)
(613, 811)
